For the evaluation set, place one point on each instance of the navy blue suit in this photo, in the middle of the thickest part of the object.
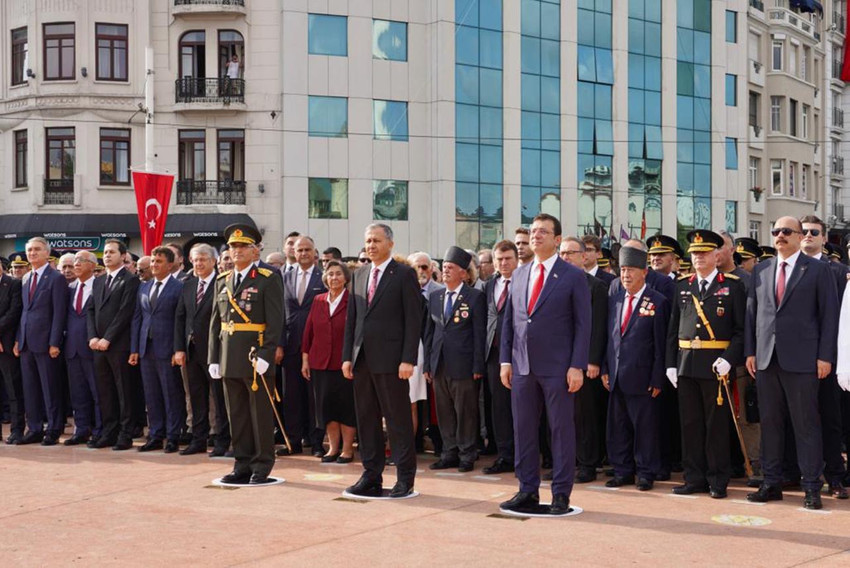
(635, 364)
(81, 375)
(42, 327)
(11, 306)
(541, 347)
(152, 337)
(606, 277)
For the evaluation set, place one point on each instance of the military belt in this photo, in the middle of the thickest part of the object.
(231, 327)
(703, 344)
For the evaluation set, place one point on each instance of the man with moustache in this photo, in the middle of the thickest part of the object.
(11, 306)
(791, 335)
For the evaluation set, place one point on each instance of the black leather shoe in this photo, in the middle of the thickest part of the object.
(104, 443)
(401, 489)
(444, 464)
(618, 481)
(151, 445)
(499, 466)
(754, 482)
(122, 444)
(585, 476)
(284, 451)
(465, 466)
(689, 489)
(14, 438)
(560, 504)
(237, 478)
(76, 440)
(217, 452)
(171, 446)
(365, 488)
(197, 447)
(330, 458)
(342, 459)
(318, 453)
(50, 440)
(765, 493)
(31, 438)
(717, 493)
(644, 484)
(260, 479)
(837, 490)
(520, 501)
(812, 499)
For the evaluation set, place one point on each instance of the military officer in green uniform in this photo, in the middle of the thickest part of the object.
(247, 317)
(704, 342)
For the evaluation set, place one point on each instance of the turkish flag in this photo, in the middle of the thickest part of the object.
(153, 194)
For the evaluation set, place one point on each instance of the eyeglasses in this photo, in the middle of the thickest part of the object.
(570, 252)
(812, 232)
(785, 231)
(363, 259)
(423, 266)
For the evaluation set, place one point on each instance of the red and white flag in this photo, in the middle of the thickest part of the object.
(153, 194)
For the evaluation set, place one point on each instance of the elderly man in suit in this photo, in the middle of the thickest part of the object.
(544, 352)
(506, 259)
(152, 345)
(454, 360)
(11, 305)
(79, 356)
(191, 346)
(39, 342)
(634, 374)
(791, 336)
(300, 286)
(382, 332)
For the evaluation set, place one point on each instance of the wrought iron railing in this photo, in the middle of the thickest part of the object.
(58, 191)
(209, 90)
(210, 192)
(216, 2)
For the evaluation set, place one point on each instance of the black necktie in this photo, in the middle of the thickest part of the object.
(703, 285)
(155, 295)
(108, 285)
(238, 281)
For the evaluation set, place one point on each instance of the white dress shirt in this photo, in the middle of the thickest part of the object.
(381, 269)
(635, 301)
(535, 272)
(500, 285)
(790, 262)
(87, 286)
(334, 304)
(708, 279)
(453, 298)
(164, 281)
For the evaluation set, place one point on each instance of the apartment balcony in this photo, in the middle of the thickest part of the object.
(757, 72)
(836, 167)
(58, 191)
(206, 94)
(756, 137)
(757, 4)
(839, 23)
(789, 19)
(210, 192)
(208, 7)
(837, 118)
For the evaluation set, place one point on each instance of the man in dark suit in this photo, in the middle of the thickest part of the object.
(454, 360)
(382, 332)
(592, 399)
(300, 286)
(11, 305)
(152, 347)
(544, 351)
(634, 374)
(791, 336)
(191, 347)
(593, 252)
(78, 354)
(704, 343)
(506, 259)
(40, 334)
(109, 318)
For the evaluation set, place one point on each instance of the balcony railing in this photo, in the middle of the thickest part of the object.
(209, 90)
(836, 69)
(757, 4)
(838, 209)
(210, 2)
(839, 22)
(789, 18)
(837, 166)
(838, 118)
(59, 192)
(210, 192)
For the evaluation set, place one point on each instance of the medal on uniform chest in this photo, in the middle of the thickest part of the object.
(248, 307)
(720, 311)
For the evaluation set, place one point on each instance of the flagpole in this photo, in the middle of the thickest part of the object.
(149, 89)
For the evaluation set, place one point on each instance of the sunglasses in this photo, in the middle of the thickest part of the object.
(363, 259)
(785, 231)
(812, 232)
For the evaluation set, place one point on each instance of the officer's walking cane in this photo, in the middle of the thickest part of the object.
(725, 380)
(252, 356)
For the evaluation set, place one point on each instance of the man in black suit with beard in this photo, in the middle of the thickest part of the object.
(11, 305)
(110, 313)
(381, 345)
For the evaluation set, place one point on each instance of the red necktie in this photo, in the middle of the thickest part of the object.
(625, 323)
(780, 284)
(503, 296)
(78, 305)
(535, 292)
(33, 284)
(373, 285)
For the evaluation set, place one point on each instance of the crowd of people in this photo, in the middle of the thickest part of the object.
(558, 357)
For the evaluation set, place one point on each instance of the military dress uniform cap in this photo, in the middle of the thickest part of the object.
(660, 244)
(457, 255)
(100, 262)
(18, 259)
(833, 251)
(685, 263)
(703, 240)
(134, 256)
(605, 261)
(748, 248)
(242, 233)
(767, 252)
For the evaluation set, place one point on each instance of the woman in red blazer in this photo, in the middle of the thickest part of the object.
(322, 363)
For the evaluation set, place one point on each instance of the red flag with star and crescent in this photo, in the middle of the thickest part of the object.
(153, 194)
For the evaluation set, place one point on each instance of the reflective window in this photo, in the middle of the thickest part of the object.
(59, 51)
(389, 40)
(731, 90)
(327, 198)
(327, 35)
(111, 52)
(389, 200)
(390, 120)
(731, 26)
(61, 154)
(114, 156)
(731, 153)
(328, 117)
(732, 217)
(21, 151)
(20, 51)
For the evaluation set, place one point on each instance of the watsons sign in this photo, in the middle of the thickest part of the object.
(58, 241)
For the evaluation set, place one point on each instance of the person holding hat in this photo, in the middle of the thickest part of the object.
(634, 374)
(454, 360)
(664, 253)
(18, 265)
(246, 321)
(705, 341)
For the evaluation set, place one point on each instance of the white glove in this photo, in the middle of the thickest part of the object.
(262, 365)
(722, 366)
(844, 381)
(673, 377)
(215, 371)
